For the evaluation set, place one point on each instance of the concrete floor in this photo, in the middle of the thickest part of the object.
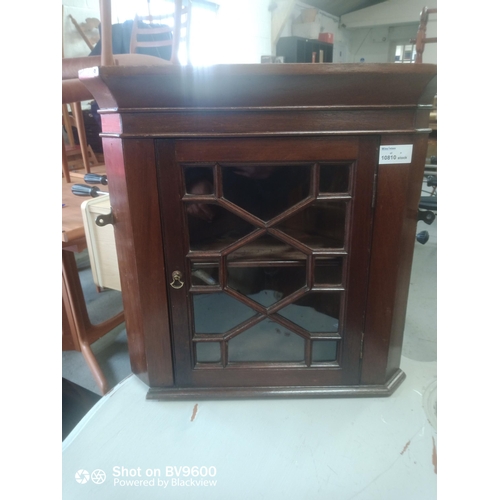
(342, 449)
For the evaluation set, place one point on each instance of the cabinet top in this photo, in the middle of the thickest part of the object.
(261, 85)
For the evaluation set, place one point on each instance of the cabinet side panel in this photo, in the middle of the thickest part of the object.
(390, 265)
(131, 163)
(407, 247)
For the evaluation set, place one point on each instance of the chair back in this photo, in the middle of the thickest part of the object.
(422, 39)
(162, 31)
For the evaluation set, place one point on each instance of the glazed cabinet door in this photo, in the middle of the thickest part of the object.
(267, 244)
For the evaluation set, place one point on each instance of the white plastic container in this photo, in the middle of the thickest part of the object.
(101, 244)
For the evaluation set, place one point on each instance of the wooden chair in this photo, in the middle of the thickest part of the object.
(167, 30)
(76, 119)
(72, 87)
(74, 91)
(80, 154)
(83, 149)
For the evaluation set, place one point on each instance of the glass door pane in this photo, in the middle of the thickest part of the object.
(258, 227)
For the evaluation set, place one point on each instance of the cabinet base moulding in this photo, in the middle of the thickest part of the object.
(210, 393)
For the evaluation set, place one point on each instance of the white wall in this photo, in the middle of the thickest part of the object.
(243, 31)
(367, 26)
(377, 44)
(73, 43)
(388, 13)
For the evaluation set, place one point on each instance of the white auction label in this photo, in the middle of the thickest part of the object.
(400, 153)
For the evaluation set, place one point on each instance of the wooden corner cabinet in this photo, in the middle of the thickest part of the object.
(265, 220)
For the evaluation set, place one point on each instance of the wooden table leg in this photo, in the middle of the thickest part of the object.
(82, 331)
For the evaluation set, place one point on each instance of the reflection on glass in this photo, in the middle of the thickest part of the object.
(266, 248)
(199, 180)
(324, 351)
(208, 352)
(204, 275)
(266, 269)
(321, 225)
(334, 178)
(218, 312)
(265, 190)
(328, 271)
(266, 341)
(316, 312)
(216, 233)
(266, 285)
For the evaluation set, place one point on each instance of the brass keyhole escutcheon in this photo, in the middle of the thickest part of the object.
(177, 283)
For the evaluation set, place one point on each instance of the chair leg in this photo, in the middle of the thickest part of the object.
(78, 323)
(82, 137)
(65, 166)
(67, 125)
(94, 367)
(84, 333)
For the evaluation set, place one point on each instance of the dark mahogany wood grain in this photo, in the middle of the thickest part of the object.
(362, 152)
(156, 119)
(130, 167)
(250, 85)
(235, 122)
(299, 391)
(395, 221)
